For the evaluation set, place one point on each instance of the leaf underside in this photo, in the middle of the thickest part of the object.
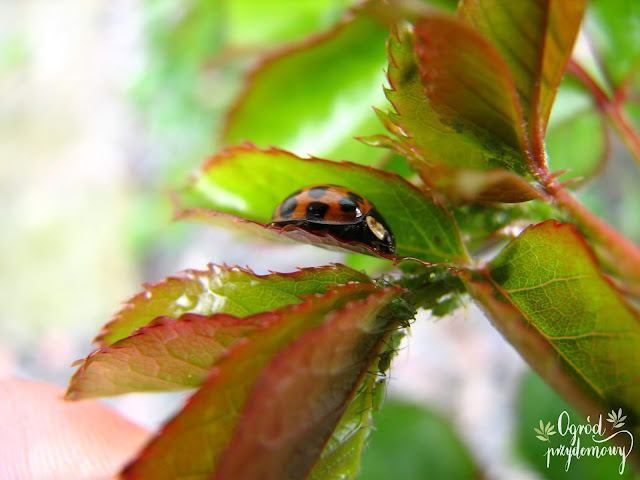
(211, 431)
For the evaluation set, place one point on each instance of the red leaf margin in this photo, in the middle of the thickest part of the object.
(184, 431)
(179, 282)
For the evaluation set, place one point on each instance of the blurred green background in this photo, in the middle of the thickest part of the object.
(106, 105)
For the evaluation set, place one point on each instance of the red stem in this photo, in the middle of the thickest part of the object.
(616, 251)
(612, 108)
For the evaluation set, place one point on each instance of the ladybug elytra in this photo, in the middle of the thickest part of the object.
(343, 213)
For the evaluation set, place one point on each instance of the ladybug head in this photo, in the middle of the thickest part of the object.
(378, 235)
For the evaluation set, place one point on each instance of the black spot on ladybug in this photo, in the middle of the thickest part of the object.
(316, 210)
(347, 204)
(355, 197)
(288, 207)
(317, 192)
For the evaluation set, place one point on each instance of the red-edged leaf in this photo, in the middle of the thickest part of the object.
(468, 83)
(250, 183)
(546, 294)
(535, 38)
(221, 289)
(299, 399)
(342, 453)
(454, 161)
(464, 185)
(190, 445)
(167, 355)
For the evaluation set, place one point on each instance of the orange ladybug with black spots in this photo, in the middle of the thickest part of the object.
(343, 213)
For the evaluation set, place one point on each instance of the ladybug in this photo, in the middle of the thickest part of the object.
(343, 213)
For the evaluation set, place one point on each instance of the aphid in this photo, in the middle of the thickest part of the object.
(343, 213)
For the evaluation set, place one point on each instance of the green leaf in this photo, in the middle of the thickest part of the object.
(415, 121)
(315, 97)
(443, 141)
(288, 385)
(469, 85)
(221, 289)
(250, 183)
(169, 354)
(412, 442)
(547, 296)
(457, 159)
(535, 38)
(612, 27)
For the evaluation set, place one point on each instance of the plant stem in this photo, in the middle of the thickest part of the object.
(612, 108)
(617, 252)
(625, 130)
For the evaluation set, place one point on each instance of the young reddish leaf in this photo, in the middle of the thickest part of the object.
(299, 399)
(417, 122)
(221, 289)
(468, 83)
(535, 38)
(547, 296)
(190, 445)
(444, 153)
(463, 185)
(317, 95)
(250, 182)
(167, 355)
